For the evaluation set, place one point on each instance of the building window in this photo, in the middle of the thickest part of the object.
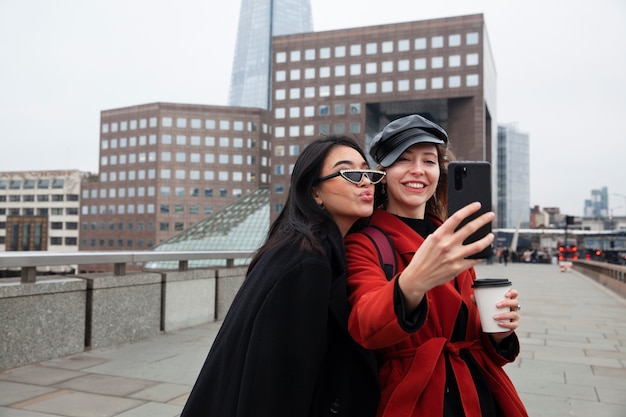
(454, 81)
(340, 51)
(437, 83)
(471, 59)
(472, 80)
(454, 40)
(436, 42)
(355, 50)
(437, 62)
(355, 89)
(471, 38)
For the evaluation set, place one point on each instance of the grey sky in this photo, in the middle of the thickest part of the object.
(561, 69)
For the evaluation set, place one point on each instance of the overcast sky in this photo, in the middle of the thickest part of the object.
(561, 68)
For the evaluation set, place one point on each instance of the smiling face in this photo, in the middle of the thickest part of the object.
(344, 201)
(412, 180)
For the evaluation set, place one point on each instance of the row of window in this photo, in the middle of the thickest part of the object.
(322, 129)
(373, 48)
(167, 139)
(181, 174)
(370, 68)
(164, 191)
(29, 184)
(130, 226)
(41, 211)
(54, 241)
(374, 87)
(150, 208)
(183, 123)
(167, 156)
(13, 198)
(111, 243)
(323, 110)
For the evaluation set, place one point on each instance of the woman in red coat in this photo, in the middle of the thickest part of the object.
(434, 358)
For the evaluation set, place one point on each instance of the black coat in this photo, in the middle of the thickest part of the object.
(284, 347)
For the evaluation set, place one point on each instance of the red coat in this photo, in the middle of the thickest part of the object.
(412, 369)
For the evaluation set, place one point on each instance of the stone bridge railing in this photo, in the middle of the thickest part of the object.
(43, 317)
(610, 275)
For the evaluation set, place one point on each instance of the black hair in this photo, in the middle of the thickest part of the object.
(302, 221)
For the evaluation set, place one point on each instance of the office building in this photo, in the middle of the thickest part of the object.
(39, 210)
(259, 22)
(513, 180)
(354, 81)
(164, 167)
(598, 205)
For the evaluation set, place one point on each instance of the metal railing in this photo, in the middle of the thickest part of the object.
(29, 261)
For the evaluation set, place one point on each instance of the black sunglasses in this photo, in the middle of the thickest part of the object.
(355, 176)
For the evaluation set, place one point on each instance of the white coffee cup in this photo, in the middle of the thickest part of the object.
(488, 292)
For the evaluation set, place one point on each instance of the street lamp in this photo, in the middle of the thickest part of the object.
(623, 196)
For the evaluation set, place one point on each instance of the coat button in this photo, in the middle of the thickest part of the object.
(335, 406)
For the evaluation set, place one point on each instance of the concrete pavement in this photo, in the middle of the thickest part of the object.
(573, 359)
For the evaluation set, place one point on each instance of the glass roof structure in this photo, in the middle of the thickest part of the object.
(241, 226)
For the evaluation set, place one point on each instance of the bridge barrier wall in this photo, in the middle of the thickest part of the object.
(121, 308)
(42, 320)
(609, 275)
(55, 317)
(188, 298)
(228, 282)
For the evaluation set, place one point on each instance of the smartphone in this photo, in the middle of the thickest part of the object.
(470, 181)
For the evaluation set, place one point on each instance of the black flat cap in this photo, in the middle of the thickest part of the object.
(402, 133)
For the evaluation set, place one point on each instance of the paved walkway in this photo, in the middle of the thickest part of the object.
(573, 359)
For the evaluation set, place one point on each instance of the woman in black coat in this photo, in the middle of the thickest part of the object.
(284, 347)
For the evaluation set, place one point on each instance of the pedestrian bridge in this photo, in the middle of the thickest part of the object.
(145, 358)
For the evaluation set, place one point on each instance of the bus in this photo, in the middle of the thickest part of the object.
(568, 252)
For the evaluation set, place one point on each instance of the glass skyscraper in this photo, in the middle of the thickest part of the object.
(513, 184)
(259, 21)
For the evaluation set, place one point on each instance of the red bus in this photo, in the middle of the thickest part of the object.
(568, 252)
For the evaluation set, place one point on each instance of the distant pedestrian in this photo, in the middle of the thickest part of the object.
(505, 255)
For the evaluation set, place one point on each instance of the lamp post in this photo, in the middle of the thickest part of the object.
(623, 196)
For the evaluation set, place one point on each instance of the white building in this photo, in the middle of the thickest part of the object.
(39, 210)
